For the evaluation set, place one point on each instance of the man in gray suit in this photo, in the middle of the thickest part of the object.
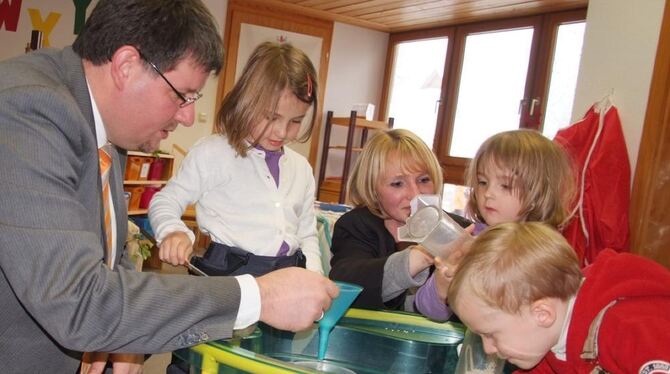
(128, 80)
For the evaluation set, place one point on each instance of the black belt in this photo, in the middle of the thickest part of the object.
(223, 260)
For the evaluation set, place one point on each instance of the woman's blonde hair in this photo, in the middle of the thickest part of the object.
(271, 69)
(514, 264)
(398, 145)
(542, 175)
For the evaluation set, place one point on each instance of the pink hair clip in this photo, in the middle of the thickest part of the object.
(309, 86)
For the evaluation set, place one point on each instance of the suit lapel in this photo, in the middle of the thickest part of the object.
(75, 79)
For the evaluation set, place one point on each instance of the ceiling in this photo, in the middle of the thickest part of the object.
(404, 15)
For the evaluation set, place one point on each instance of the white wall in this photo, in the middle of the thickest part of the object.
(60, 33)
(619, 51)
(355, 75)
(205, 107)
(618, 55)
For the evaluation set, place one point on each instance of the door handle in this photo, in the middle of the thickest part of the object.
(533, 103)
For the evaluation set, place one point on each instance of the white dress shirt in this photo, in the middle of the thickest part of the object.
(101, 138)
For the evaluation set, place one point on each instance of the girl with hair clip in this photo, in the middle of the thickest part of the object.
(253, 195)
(516, 176)
(394, 167)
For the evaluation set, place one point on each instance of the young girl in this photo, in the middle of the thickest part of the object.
(253, 195)
(515, 176)
(392, 169)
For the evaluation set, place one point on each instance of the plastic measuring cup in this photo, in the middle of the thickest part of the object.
(339, 306)
(430, 226)
(444, 230)
(474, 360)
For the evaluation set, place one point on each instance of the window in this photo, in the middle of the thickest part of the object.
(563, 78)
(415, 84)
(496, 76)
(492, 79)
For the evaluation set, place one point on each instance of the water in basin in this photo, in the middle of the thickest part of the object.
(363, 342)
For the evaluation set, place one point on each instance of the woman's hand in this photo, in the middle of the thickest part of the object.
(176, 248)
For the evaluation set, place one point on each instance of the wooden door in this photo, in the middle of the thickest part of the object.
(650, 202)
(246, 15)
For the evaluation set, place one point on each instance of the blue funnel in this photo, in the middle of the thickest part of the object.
(339, 306)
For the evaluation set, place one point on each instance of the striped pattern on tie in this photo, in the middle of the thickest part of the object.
(105, 169)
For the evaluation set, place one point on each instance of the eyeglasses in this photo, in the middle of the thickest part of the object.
(186, 101)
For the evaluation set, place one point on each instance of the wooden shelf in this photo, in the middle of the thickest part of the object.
(344, 147)
(141, 166)
(334, 187)
(360, 122)
(144, 182)
(143, 154)
(137, 212)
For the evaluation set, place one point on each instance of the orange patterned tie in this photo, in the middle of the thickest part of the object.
(105, 168)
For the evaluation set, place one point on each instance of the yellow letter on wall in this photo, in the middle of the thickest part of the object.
(45, 26)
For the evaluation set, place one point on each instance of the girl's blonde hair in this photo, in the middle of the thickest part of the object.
(542, 175)
(271, 68)
(515, 264)
(398, 145)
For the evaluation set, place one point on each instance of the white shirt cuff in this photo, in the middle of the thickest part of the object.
(250, 302)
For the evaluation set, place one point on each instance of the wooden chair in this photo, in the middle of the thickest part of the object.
(352, 123)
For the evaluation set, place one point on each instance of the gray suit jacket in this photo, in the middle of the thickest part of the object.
(57, 299)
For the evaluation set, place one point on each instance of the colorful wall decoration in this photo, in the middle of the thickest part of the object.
(59, 21)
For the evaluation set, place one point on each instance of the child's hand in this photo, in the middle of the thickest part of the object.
(460, 244)
(446, 268)
(419, 259)
(176, 248)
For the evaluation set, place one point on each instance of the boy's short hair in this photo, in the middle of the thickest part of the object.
(272, 67)
(514, 264)
(403, 145)
(542, 175)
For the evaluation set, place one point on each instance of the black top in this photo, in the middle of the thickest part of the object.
(361, 245)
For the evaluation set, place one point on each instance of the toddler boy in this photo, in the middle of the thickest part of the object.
(521, 288)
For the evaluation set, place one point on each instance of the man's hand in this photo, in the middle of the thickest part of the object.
(93, 362)
(176, 248)
(293, 298)
(122, 363)
(127, 363)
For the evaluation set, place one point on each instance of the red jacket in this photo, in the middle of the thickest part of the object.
(634, 336)
(606, 183)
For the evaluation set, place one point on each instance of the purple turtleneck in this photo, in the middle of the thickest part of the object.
(272, 161)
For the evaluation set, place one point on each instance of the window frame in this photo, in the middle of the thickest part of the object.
(537, 85)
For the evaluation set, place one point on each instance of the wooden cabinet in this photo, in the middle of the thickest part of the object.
(145, 175)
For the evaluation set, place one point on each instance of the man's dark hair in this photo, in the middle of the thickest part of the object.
(165, 31)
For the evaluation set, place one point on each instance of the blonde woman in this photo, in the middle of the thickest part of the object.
(392, 169)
